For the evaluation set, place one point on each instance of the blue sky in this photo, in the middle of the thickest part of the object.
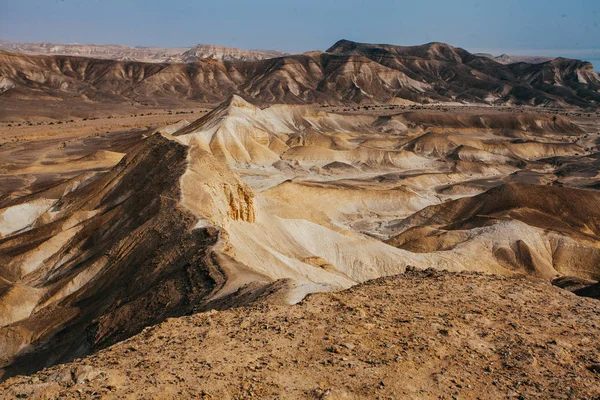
(552, 27)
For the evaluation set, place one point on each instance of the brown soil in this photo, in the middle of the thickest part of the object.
(419, 335)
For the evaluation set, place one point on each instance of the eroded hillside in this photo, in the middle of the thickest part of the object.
(271, 204)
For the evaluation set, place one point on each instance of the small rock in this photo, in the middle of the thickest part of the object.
(85, 373)
(594, 368)
(333, 349)
(62, 376)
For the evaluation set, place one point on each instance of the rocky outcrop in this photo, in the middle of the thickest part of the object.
(122, 252)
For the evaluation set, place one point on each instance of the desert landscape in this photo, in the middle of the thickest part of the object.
(370, 221)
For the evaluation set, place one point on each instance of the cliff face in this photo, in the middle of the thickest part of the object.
(348, 73)
(212, 192)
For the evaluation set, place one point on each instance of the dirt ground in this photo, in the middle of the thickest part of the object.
(420, 335)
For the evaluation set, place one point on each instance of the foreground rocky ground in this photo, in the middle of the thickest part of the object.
(423, 334)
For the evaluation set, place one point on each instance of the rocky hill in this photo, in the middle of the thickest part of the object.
(202, 51)
(348, 72)
(421, 335)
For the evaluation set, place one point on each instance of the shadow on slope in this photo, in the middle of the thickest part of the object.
(100, 263)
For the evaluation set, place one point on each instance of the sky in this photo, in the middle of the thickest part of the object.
(568, 28)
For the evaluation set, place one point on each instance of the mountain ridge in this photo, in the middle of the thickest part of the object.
(348, 72)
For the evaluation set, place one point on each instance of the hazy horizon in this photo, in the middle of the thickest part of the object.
(537, 28)
(553, 27)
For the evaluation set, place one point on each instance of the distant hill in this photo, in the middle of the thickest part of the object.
(203, 51)
(143, 54)
(506, 59)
